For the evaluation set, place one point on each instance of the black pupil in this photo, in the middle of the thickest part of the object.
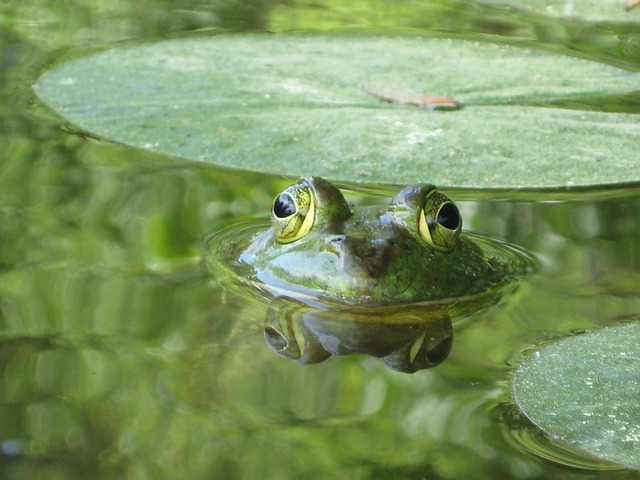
(448, 216)
(284, 206)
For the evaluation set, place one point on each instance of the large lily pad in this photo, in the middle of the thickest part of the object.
(291, 105)
(585, 391)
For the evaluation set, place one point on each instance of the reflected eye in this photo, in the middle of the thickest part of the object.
(293, 213)
(440, 222)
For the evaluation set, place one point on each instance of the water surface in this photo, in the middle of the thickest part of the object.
(122, 358)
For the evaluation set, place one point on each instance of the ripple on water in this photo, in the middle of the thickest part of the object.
(526, 437)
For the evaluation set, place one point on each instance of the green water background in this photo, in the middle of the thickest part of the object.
(122, 358)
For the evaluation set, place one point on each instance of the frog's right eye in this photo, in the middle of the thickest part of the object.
(439, 224)
(293, 213)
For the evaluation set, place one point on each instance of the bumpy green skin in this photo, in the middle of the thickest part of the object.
(370, 256)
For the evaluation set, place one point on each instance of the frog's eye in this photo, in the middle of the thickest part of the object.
(440, 222)
(293, 213)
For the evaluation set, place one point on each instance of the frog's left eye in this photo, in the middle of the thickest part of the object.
(293, 213)
(440, 222)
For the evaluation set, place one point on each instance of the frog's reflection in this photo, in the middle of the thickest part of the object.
(406, 339)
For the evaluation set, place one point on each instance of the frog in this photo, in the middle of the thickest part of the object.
(406, 265)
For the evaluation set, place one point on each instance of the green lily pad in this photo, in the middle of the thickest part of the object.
(585, 392)
(292, 105)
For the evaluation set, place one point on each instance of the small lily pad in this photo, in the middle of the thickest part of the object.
(292, 105)
(585, 392)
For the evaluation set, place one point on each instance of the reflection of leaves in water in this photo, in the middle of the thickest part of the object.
(601, 31)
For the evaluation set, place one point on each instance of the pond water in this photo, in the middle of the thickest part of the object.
(122, 358)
